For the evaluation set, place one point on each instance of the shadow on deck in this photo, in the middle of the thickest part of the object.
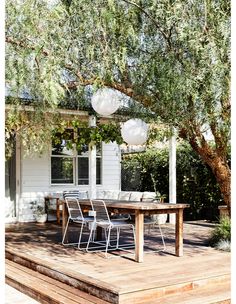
(119, 279)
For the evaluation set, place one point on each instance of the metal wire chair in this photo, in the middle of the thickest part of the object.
(102, 219)
(76, 216)
(151, 222)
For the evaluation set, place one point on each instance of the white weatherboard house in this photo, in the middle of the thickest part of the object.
(31, 178)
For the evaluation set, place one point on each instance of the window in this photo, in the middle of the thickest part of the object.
(71, 166)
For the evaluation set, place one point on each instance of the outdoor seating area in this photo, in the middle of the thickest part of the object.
(53, 205)
(99, 210)
(35, 251)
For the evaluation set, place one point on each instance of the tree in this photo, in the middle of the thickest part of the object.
(171, 56)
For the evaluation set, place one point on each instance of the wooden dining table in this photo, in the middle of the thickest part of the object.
(139, 209)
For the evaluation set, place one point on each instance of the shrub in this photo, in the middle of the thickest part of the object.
(196, 185)
(223, 245)
(221, 234)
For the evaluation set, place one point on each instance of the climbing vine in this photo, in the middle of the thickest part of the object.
(84, 135)
(37, 130)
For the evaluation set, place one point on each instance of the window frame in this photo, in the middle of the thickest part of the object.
(75, 155)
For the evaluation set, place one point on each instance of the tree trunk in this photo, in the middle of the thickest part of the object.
(222, 173)
(219, 167)
(215, 159)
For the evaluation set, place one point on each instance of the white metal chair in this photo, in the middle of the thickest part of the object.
(151, 222)
(102, 219)
(75, 193)
(76, 216)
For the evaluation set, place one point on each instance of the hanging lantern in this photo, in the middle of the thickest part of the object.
(134, 131)
(105, 101)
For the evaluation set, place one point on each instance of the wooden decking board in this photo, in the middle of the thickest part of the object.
(41, 286)
(159, 267)
(171, 275)
(124, 280)
(176, 266)
(217, 293)
(47, 286)
(169, 287)
(162, 282)
(203, 295)
(181, 288)
(36, 264)
(40, 294)
(68, 277)
(53, 282)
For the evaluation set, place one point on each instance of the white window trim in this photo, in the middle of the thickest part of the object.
(75, 157)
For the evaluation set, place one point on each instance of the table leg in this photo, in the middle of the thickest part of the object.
(46, 205)
(179, 233)
(64, 219)
(139, 219)
(58, 211)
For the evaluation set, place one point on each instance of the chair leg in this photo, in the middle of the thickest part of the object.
(89, 240)
(80, 235)
(108, 240)
(65, 232)
(162, 237)
(118, 237)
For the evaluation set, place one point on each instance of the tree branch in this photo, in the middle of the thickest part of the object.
(24, 45)
(128, 90)
(149, 16)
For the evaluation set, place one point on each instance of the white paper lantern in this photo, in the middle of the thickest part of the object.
(134, 131)
(105, 101)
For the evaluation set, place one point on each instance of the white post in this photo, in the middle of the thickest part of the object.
(172, 175)
(92, 162)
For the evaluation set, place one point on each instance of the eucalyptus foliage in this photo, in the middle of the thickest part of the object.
(172, 56)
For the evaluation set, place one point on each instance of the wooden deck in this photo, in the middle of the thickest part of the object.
(202, 274)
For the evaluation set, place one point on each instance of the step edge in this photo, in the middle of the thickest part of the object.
(195, 282)
(76, 281)
(11, 270)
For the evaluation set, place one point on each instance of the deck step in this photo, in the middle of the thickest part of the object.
(201, 289)
(79, 281)
(45, 289)
(214, 294)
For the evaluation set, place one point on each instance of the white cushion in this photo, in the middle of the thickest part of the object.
(111, 194)
(107, 194)
(124, 195)
(83, 194)
(148, 196)
(100, 194)
(136, 196)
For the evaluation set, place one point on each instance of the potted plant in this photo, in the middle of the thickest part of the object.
(160, 218)
(39, 212)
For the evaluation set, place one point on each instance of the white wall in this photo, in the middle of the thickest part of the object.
(35, 178)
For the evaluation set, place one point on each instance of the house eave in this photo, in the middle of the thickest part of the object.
(66, 113)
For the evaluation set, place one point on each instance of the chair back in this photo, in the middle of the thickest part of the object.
(74, 208)
(101, 213)
(72, 193)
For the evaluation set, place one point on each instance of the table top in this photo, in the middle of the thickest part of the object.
(134, 205)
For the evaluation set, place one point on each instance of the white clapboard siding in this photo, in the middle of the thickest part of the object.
(35, 178)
